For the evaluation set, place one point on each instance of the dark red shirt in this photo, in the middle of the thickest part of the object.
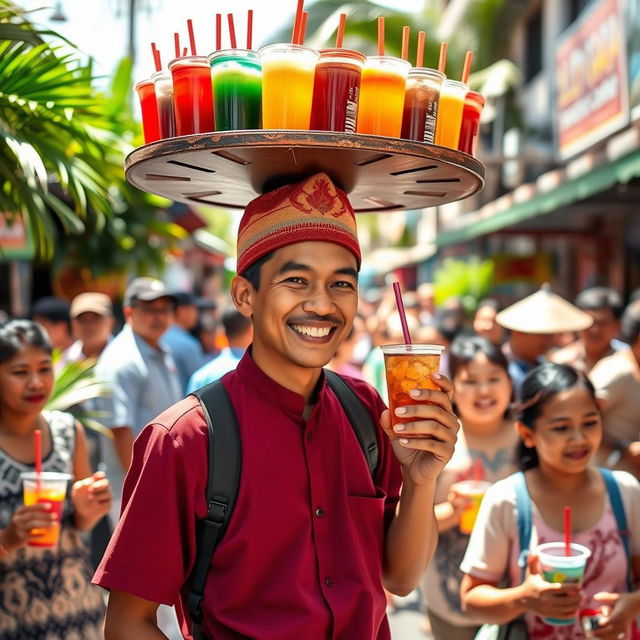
(302, 556)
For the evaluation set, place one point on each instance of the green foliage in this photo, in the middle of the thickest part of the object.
(470, 280)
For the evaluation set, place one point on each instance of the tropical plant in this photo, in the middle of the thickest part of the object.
(470, 280)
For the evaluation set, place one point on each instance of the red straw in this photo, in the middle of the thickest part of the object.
(442, 63)
(340, 34)
(567, 531)
(156, 57)
(232, 31)
(218, 31)
(303, 27)
(176, 42)
(184, 52)
(37, 451)
(420, 51)
(405, 42)
(381, 36)
(401, 313)
(249, 28)
(296, 22)
(466, 70)
(192, 39)
(478, 470)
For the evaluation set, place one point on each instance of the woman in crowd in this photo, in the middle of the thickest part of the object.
(45, 593)
(560, 429)
(486, 445)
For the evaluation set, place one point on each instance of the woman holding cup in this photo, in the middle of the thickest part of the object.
(560, 429)
(486, 447)
(45, 571)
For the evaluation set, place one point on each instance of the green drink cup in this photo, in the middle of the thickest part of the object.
(236, 76)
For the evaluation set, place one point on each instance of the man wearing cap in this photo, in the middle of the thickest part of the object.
(53, 314)
(313, 537)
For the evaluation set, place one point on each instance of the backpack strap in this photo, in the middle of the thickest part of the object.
(225, 461)
(615, 498)
(523, 508)
(359, 417)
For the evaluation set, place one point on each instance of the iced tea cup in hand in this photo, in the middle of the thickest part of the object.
(473, 491)
(408, 367)
(49, 488)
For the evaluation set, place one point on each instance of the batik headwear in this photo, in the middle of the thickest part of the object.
(311, 210)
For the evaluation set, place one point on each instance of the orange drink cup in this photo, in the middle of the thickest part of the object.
(51, 488)
(382, 88)
(450, 107)
(473, 491)
(409, 366)
(288, 72)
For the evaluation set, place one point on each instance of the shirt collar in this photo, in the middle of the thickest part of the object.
(146, 350)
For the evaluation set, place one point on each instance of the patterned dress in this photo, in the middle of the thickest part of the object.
(46, 594)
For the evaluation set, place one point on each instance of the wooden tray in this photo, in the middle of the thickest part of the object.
(228, 169)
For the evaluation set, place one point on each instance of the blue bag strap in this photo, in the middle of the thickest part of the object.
(523, 508)
(615, 498)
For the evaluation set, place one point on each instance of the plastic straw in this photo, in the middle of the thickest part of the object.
(401, 313)
(303, 27)
(381, 36)
(156, 57)
(420, 50)
(340, 34)
(218, 31)
(192, 39)
(406, 31)
(232, 31)
(249, 28)
(442, 63)
(184, 52)
(567, 531)
(37, 454)
(296, 22)
(466, 70)
(176, 43)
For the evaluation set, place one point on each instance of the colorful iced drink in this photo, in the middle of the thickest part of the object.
(149, 107)
(336, 90)
(192, 95)
(236, 77)
(452, 95)
(164, 100)
(558, 567)
(470, 128)
(409, 366)
(288, 72)
(473, 491)
(50, 488)
(421, 104)
(382, 96)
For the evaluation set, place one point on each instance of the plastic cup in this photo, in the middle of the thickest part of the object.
(288, 72)
(164, 99)
(421, 104)
(450, 107)
(382, 89)
(473, 491)
(336, 90)
(236, 77)
(558, 567)
(470, 128)
(147, 95)
(409, 366)
(192, 95)
(52, 489)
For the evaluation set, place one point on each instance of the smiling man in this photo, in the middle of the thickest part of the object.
(313, 537)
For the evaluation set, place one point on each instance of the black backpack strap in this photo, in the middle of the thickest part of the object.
(225, 461)
(359, 417)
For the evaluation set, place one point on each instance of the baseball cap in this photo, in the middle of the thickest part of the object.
(146, 290)
(91, 303)
(185, 299)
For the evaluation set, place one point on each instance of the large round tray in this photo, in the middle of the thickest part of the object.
(230, 168)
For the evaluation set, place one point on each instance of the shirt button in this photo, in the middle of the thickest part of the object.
(329, 582)
(319, 512)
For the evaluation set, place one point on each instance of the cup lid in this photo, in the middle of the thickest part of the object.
(412, 349)
(45, 475)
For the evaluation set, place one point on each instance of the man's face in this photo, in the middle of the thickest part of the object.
(150, 319)
(186, 315)
(530, 346)
(305, 305)
(58, 332)
(597, 338)
(92, 328)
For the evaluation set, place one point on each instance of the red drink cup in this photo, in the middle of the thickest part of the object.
(421, 104)
(470, 128)
(192, 95)
(164, 100)
(336, 90)
(147, 95)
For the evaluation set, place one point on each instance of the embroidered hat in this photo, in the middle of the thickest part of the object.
(311, 210)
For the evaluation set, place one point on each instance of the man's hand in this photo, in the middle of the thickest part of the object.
(620, 610)
(425, 444)
(23, 522)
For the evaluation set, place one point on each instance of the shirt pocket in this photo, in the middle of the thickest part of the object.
(367, 516)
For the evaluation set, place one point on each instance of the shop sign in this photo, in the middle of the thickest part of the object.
(591, 79)
(632, 23)
(15, 242)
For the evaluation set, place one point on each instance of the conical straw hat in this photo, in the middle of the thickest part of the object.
(544, 312)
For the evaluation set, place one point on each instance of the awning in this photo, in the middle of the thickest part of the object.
(573, 190)
(387, 259)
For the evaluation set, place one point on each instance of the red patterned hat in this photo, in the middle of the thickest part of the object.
(311, 210)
